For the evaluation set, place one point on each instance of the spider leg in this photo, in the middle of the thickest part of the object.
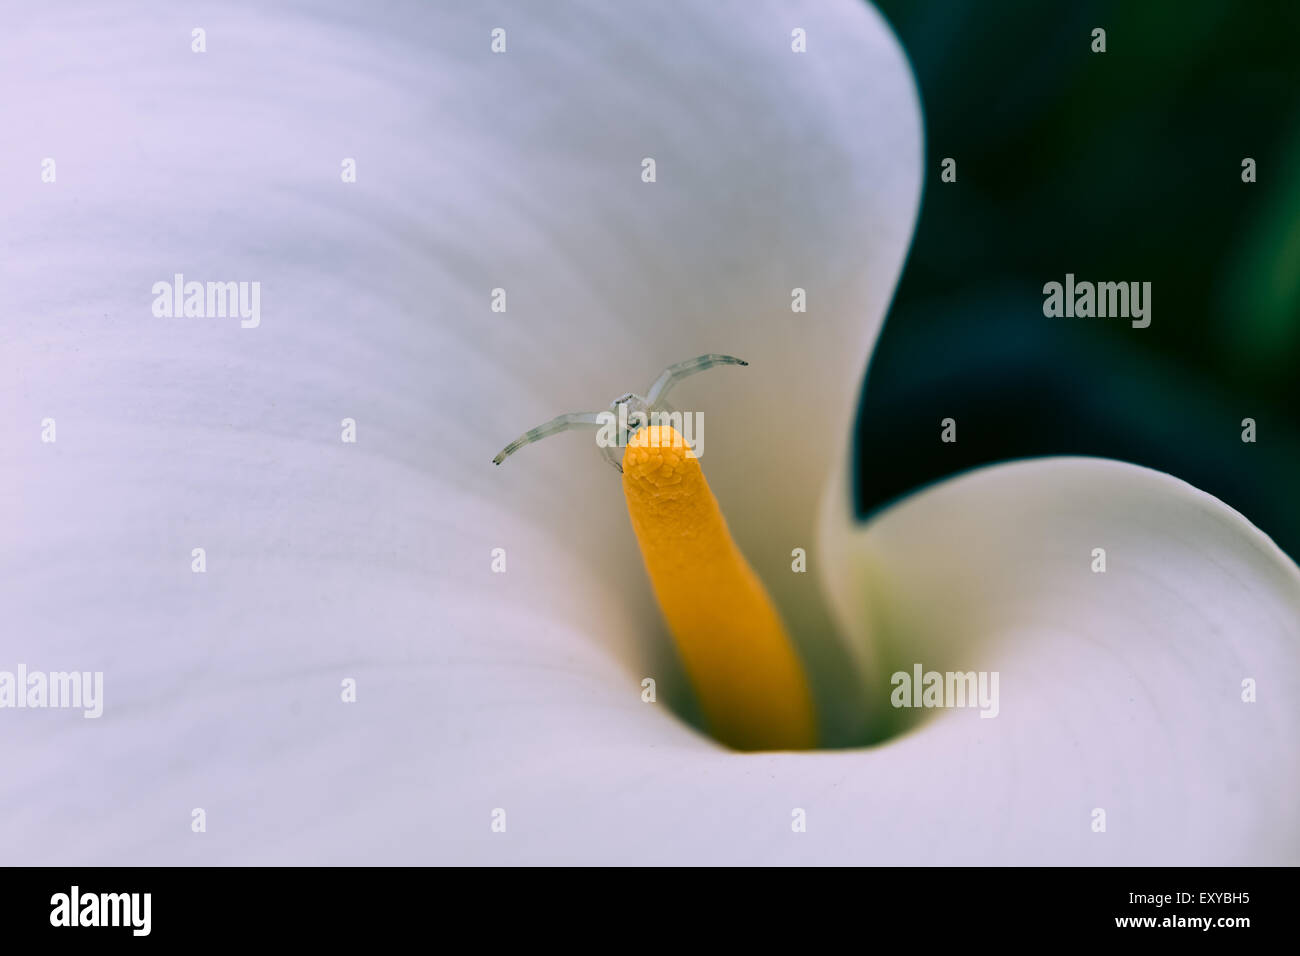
(680, 370)
(560, 423)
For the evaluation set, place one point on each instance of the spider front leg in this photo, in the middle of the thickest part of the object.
(680, 370)
(561, 423)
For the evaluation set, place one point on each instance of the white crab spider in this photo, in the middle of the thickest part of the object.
(638, 414)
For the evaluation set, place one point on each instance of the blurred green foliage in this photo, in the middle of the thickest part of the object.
(1116, 166)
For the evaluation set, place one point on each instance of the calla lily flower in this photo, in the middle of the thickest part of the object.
(516, 698)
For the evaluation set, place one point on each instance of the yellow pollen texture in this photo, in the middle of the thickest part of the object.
(749, 679)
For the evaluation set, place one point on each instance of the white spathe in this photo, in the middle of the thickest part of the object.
(372, 560)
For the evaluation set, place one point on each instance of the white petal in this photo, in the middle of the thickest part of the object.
(328, 560)
(1120, 690)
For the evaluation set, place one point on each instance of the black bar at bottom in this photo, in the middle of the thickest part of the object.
(335, 906)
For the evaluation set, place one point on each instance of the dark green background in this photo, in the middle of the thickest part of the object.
(1118, 166)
